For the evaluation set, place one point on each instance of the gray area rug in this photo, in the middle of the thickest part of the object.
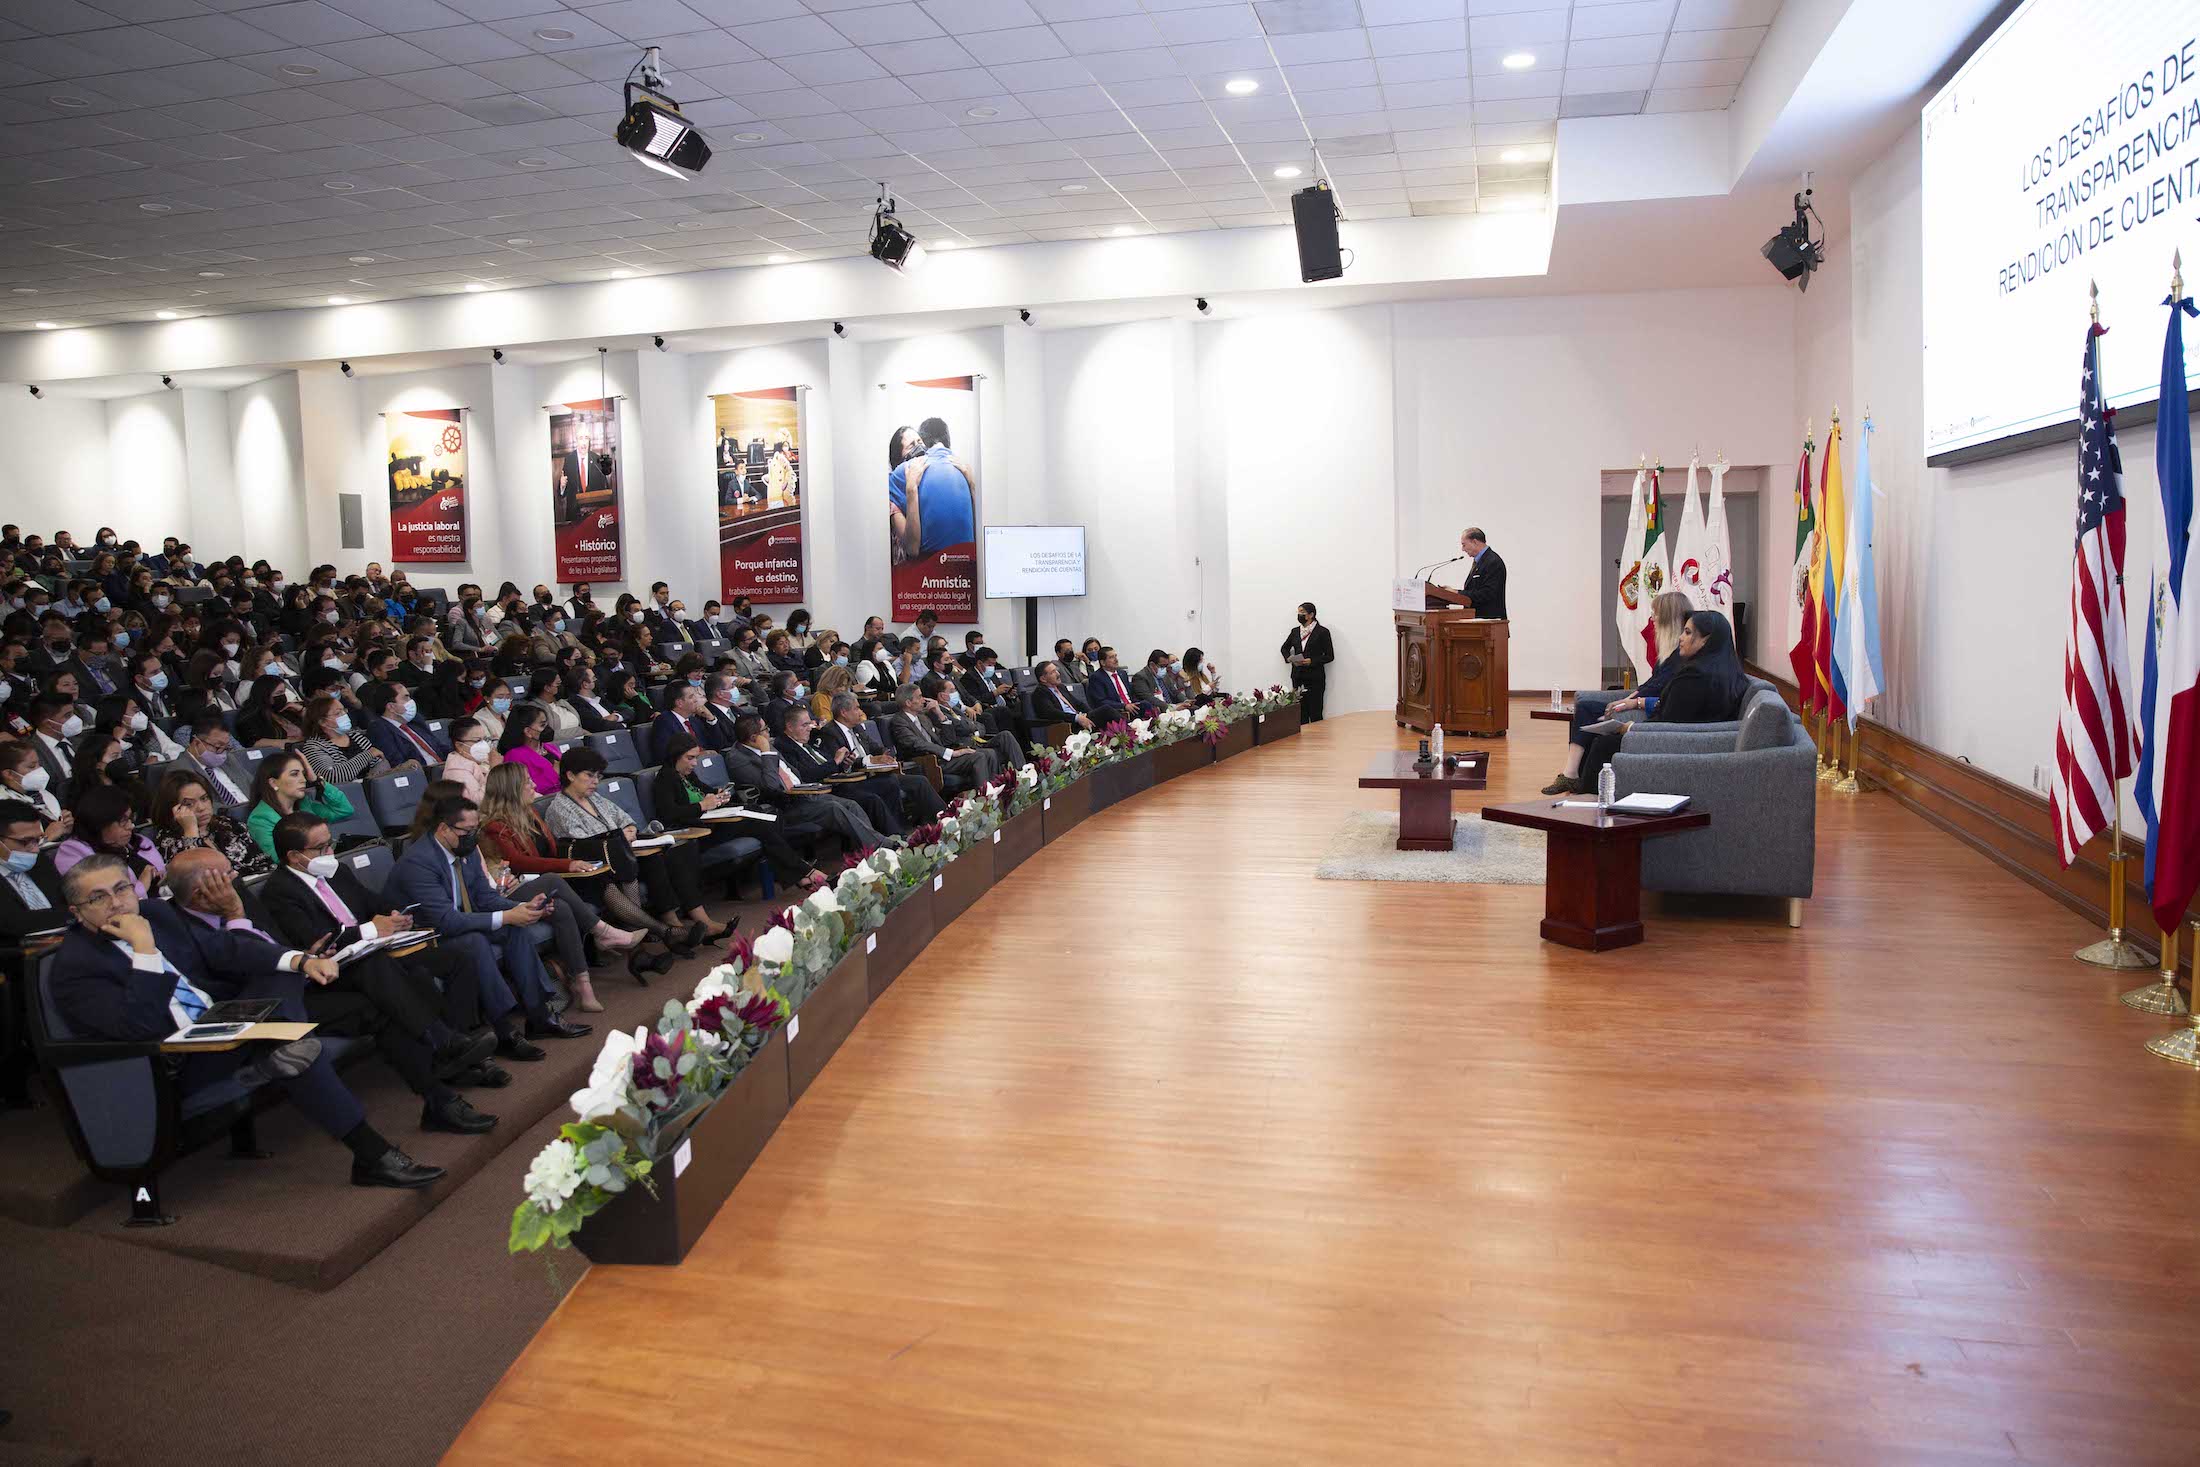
(1365, 849)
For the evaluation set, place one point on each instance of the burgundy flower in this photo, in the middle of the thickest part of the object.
(755, 1011)
(740, 951)
(1225, 700)
(645, 1076)
(712, 1012)
(925, 835)
(1278, 688)
(1213, 734)
(783, 918)
(1044, 763)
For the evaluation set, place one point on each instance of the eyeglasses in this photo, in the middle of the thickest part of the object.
(106, 895)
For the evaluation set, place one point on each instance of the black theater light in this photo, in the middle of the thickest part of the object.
(653, 128)
(892, 244)
(1792, 252)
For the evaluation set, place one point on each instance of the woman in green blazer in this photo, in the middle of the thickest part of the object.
(285, 783)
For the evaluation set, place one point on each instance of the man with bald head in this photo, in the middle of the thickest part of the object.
(374, 995)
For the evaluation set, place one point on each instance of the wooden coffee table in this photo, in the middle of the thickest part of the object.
(1592, 898)
(1564, 713)
(1424, 800)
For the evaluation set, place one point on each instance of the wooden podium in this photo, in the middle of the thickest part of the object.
(1452, 665)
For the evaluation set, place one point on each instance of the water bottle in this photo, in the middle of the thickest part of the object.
(1436, 743)
(1607, 788)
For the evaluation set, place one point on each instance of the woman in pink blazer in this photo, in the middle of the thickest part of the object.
(523, 744)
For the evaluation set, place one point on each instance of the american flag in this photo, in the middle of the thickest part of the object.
(2095, 743)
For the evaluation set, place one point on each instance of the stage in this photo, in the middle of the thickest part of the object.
(1168, 1152)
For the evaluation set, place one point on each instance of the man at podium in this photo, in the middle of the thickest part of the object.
(1484, 586)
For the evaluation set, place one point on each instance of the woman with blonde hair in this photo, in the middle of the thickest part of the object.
(832, 680)
(1668, 614)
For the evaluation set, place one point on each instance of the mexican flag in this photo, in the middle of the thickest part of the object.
(1803, 617)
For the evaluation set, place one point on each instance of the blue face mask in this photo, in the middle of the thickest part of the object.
(22, 860)
(103, 604)
(343, 723)
(841, 661)
(158, 682)
(412, 710)
(695, 682)
(954, 699)
(801, 690)
(122, 639)
(501, 705)
(558, 626)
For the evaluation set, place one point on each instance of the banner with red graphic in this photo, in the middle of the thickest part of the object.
(584, 490)
(932, 497)
(757, 452)
(427, 485)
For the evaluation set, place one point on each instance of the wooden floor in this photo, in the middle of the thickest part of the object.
(1170, 1153)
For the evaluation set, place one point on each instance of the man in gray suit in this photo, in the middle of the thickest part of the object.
(1155, 684)
(914, 734)
(207, 753)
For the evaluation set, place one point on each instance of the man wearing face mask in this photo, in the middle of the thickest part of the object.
(666, 623)
(30, 889)
(952, 716)
(55, 726)
(813, 764)
(207, 753)
(721, 706)
(1309, 651)
(916, 735)
(582, 603)
(543, 606)
(55, 650)
(433, 683)
(846, 741)
(395, 729)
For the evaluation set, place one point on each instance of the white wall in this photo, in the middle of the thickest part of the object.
(266, 464)
(60, 445)
(149, 482)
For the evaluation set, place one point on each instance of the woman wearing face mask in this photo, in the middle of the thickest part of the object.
(526, 743)
(473, 756)
(296, 617)
(798, 629)
(588, 824)
(202, 686)
(105, 827)
(496, 705)
(515, 654)
(516, 836)
(832, 680)
(23, 780)
(338, 752)
(269, 718)
(283, 783)
(184, 819)
(624, 700)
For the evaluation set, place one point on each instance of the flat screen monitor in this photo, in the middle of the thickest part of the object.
(1034, 560)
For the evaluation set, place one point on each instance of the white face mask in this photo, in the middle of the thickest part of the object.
(322, 866)
(634, 616)
(71, 726)
(138, 722)
(34, 782)
(229, 649)
(478, 751)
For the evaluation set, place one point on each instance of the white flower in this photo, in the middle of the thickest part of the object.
(822, 901)
(1139, 727)
(775, 946)
(1028, 776)
(949, 826)
(617, 1055)
(554, 1176)
(884, 859)
(725, 978)
(1076, 744)
(600, 1098)
(863, 871)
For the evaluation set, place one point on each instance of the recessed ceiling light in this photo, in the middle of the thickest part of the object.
(213, 274)
(748, 137)
(1241, 86)
(339, 300)
(157, 208)
(165, 315)
(1122, 230)
(1072, 188)
(521, 241)
(1287, 171)
(294, 68)
(43, 325)
(534, 162)
(362, 259)
(339, 186)
(26, 290)
(63, 99)
(775, 259)
(1514, 155)
(475, 287)
(1520, 61)
(622, 274)
(553, 33)
(983, 112)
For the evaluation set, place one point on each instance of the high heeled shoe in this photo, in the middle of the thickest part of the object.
(680, 941)
(615, 939)
(584, 995)
(720, 934)
(640, 964)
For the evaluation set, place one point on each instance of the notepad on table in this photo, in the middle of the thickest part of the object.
(1642, 804)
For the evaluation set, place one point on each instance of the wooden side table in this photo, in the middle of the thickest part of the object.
(1592, 896)
(1424, 800)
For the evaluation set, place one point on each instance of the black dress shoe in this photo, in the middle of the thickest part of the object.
(556, 1028)
(484, 1076)
(517, 1048)
(697, 934)
(457, 1117)
(393, 1168)
(462, 1053)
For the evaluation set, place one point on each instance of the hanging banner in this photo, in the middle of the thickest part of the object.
(427, 485)
(584, 490)
(932, 497)
(758, 453)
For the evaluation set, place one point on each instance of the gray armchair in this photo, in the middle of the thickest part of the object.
(1756, 778)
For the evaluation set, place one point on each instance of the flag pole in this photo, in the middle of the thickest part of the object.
(1829, 727)
(2181, 1047)
(2114, 951)
(1847, 783)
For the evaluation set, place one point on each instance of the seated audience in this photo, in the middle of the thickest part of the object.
(1707, 687)
(283, 783)
(473, 755)
(105, 827)
(185, 818)
(524, 744)
(591, 823)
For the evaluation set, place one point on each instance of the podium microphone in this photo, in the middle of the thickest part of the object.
(1422, 573)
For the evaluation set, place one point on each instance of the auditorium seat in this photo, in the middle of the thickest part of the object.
(710, 771)
(360, 824)
(618, 750)
(371, 864)
(392, 798)
(620, 791)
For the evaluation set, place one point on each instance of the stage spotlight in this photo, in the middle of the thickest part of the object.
(167, 381)
(1792, 251)
(344, 367)
(660, 342)
(1202, 304)
(839, 330)
(1023, 316)
(496, 355)
(892, 245)
(653, 128)
(36, 393)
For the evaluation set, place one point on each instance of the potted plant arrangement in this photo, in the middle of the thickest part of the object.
(1276, 714)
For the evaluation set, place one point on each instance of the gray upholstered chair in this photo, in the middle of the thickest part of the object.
(1756, 778)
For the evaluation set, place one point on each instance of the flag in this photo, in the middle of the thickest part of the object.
(1832, 541)
(1718, 563)
(1856, 629)
(1657, 574)
(2170, 762)
(1803, 629)
(2094, 736)
(1630, 604)
(1688, 548)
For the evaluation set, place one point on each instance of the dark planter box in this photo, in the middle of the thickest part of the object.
(1281, 724)
(1171, 760)
(1066, 809)
(1017, 841)
(1236, 739)
(639, 1228)
(1114, 783)
(890, 949)
(959, 883)
(827, 1016)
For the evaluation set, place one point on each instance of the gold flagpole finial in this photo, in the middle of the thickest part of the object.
(2093, 294)
(2177, 275)
(1837, 415)
(1807, 425)
(1642, 461)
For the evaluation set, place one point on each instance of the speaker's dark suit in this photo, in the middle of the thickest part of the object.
(1485, 586)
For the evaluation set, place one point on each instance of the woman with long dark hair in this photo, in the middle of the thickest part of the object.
(1707, 687)
(1669, 613)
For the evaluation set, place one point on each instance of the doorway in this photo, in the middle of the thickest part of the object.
(1744, 501)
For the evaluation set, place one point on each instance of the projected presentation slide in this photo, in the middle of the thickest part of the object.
(1034, 560)
(2066, 151)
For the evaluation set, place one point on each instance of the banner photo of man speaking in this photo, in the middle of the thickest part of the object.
(584, 490)
(758, 452)
(427, 485)
(932, 497)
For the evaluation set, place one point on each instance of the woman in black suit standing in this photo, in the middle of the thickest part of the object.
(1706, 687)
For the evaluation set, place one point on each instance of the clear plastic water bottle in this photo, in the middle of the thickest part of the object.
(1607, 788)
(1436, 743)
